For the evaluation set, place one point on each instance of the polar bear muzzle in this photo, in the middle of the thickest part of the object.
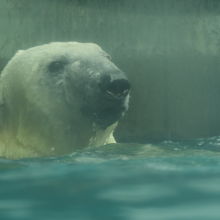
(111, 100)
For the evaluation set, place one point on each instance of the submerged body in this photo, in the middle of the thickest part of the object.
(58, 97)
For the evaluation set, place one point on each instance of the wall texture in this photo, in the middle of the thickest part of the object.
(169, 49)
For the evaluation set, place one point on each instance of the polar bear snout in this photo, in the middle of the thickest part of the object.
(109, 100)
(115, 89)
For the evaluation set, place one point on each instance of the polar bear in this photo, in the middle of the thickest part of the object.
(59, 97)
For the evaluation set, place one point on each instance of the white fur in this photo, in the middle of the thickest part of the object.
(36, 121)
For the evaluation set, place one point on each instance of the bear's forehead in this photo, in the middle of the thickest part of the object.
(66, 52)
(70, 49)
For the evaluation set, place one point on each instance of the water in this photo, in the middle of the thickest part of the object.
(157, 181)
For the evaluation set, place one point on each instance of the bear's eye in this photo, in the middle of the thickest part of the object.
(56, 66)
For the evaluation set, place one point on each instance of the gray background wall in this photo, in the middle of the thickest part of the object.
(170, 50)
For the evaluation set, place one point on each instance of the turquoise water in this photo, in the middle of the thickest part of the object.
(155, 181)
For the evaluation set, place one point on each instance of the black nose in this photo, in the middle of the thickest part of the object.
(118, 88)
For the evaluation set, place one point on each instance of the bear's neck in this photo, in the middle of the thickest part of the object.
(39, 134)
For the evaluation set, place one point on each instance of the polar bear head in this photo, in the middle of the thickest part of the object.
(63, 90)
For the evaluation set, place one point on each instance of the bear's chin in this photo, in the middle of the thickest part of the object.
(106, 114)
(107, 117)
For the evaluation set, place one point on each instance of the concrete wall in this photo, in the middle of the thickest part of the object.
(169, 49)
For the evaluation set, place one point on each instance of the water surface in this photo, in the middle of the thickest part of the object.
(155, 181)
